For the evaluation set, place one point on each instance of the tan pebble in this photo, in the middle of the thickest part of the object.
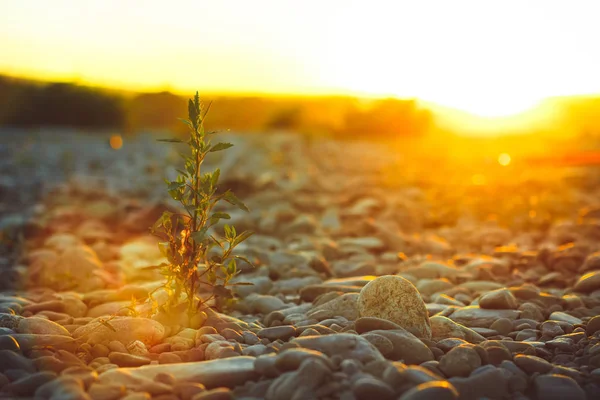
(395, 299)
(115, 345)
(137, 396)
(100, 350)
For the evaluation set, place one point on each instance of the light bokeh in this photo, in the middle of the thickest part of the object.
(487, 58)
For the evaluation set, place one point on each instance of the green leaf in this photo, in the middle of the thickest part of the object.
(192, 113)
(221, 215)
(175, 185)
(189, 166)
(232, 267)
(216, 241)
(205, 183)
(232, 199)
(219, 147)
(242, 284)
(241, 237)
(207, 110)
(171, 140)
(182, 172)
(200, 235)
(244, 259)
(215, 177)
(187, 122)
(227, 230)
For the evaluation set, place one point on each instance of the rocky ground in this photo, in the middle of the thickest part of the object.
(378, 276)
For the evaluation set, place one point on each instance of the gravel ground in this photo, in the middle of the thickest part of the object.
(378, 275)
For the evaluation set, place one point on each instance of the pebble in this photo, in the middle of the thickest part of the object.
(531, 311)
(168, 358)
(474, 316)
(100, 391)
(517, 378)
(214, 394)
(460, 361)
(406, 346)
(284, 332)
(291, 359)
(593, 325)
(383, 344)
(344, 345)
(227, 372)
(301, 383)
(588, 282)
(532, 364)
(557, 387)
(371, 388)
(438, 390)
(485, 382)
(500, 299)
(41, 326)
(396, 299)
(138, 396)
(127, 360)
(366, 324)
(27, 385)
(551, 329)
(85, 374)
(187, 390)
(562, 316)
(443, 327)
(123, 329)
(8, 342)
(341, 306)
(13, 360)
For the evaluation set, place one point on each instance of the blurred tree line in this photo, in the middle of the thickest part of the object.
(29, 104)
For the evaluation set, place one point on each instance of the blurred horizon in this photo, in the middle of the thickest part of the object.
(488, 60)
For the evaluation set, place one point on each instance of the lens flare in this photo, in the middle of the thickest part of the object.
(116, 142)
(504, 159)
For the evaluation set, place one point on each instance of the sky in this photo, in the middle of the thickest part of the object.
(486, 57)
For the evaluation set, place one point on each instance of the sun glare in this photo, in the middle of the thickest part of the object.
(487, 59)
(497, 60)
(504, 159)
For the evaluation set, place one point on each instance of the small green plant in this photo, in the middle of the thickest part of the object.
(199, 259)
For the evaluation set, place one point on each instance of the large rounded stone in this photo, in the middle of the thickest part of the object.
(123, 329)
(395, 299)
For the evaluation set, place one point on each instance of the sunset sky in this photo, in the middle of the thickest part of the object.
(483, 57)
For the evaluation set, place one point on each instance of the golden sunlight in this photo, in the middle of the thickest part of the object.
(504, 159)
(487, 59)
